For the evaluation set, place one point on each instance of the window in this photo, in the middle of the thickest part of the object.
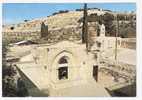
(63, 68)
(98, 44)
(63, 73)
(63, 60)
(95, 56)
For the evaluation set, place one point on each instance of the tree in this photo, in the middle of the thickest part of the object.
(12, 28)
(8, 85)
(93, 17)
(44, 30)
(107, 20)
(121, 17)
(22, 90)
(26, 20)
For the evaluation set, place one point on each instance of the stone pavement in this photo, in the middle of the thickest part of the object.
(90, 89)
(39, 77)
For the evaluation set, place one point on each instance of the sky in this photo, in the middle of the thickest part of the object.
(18, 12)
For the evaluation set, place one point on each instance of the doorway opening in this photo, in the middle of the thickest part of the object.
(95, 72)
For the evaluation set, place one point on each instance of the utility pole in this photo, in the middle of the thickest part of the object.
(116, 35)
(85, 27)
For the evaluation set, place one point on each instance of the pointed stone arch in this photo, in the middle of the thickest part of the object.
(65, 61)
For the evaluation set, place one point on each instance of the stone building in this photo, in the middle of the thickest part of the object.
(65, 68)
(103, 42)
(61, 67)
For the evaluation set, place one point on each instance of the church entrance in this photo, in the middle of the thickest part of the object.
(63, 68)
(95, 72)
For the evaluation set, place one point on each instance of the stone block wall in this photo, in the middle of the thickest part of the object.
(129, 43)
(19, 36)
(70, 32)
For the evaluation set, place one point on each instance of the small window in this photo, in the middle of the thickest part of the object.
(98, 33)
(63, 60)
(95, 56)
(98, 44)
(63, 73)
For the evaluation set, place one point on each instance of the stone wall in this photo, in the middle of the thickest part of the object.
(70, 32)
(19, 36)
(67, 33)
(128, 43)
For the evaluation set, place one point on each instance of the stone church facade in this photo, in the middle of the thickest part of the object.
(62, 66)
(65, 62)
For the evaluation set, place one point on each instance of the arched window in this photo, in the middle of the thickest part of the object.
(63, 60)
(63, 68)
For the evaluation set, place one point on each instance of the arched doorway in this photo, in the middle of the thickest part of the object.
(63, 68)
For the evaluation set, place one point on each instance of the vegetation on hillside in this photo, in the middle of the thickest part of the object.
(11, 87)
(127, 24)
(60, 12)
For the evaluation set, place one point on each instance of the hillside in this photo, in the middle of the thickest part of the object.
(67, 23)
(59, 20)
